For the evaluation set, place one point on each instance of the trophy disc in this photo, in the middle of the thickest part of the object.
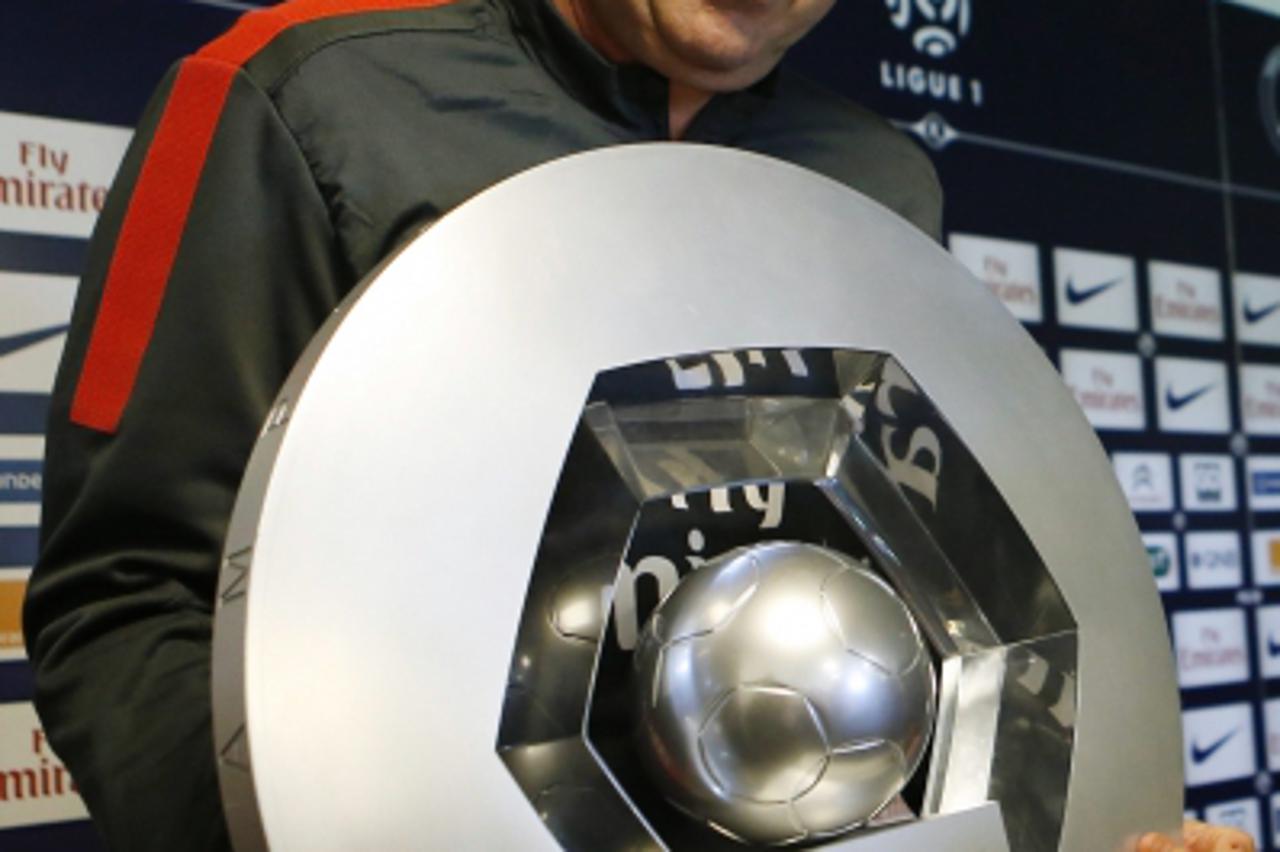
(481, 476)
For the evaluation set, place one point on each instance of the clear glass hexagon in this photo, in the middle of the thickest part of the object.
(675, 461)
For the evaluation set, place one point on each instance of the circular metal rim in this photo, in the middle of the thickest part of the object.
(869, 281)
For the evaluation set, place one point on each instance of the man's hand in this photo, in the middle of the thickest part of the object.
(1199, 837)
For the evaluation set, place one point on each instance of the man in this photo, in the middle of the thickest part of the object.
(273, 170)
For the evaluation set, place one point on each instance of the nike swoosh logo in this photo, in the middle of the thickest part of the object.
(1200, 755)
(18, 342)
(1252, 315)
(1273, 647)
(1076, 296)
(1176, 401)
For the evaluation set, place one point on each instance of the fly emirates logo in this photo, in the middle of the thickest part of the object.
(1009, 269)
(1186, 301)
(1107, 386)
(1260, 398)
(44, 182)
(1211, 647)
(35, 787)
(54, 174)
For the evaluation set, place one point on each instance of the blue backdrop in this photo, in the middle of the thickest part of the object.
(1112, 172)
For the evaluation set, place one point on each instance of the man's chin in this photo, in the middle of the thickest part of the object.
(722, 67)
(719, 45)
(719, 76)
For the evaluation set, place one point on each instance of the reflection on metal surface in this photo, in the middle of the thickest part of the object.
(556, 648)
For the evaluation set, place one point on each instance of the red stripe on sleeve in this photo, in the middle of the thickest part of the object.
(157, 214)
(148, 243)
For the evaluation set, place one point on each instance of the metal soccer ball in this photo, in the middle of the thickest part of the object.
(783, 693)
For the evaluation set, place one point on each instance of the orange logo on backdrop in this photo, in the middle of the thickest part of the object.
(11, 594)
(1273, 551)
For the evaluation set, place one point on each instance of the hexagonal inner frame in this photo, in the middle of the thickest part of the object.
(678, 460)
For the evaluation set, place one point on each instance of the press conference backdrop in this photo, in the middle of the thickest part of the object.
(1112, 173)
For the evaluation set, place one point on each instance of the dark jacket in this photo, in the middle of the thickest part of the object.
(271, 172)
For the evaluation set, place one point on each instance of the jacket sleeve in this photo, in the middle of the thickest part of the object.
(119, 610)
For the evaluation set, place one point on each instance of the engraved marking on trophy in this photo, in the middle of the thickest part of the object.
(236, 567)
(235, 752)
(278, 416)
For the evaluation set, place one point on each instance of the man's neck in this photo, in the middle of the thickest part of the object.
(683, 105)
(684, 101)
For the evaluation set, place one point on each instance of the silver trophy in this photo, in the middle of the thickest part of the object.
(621, 510)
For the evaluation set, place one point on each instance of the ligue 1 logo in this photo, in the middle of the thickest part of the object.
(936, 28)
(1269, 97)
(941, 23)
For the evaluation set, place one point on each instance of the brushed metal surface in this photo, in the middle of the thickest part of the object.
(380, 551)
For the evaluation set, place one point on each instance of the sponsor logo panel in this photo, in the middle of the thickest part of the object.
(1269, 95)
(13, 587)
(21, 466)
(1146, 479)
(1271, 723)
(1275, 821)
(1208, 482)
(1210, 647)
(1264, 550)
(1162, 553)
(1260, 399)
(1218, 744)
(34, 311)
(1192, 396)
(19, 545)
(1011, 271)
(1244, 814)
(1257, 304)
(1095, 290)
(1268, 623)
(1186, 301)
(1213, 560)
(1263, 473)
(54, 174)
(1107, 386)
(35, 787)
